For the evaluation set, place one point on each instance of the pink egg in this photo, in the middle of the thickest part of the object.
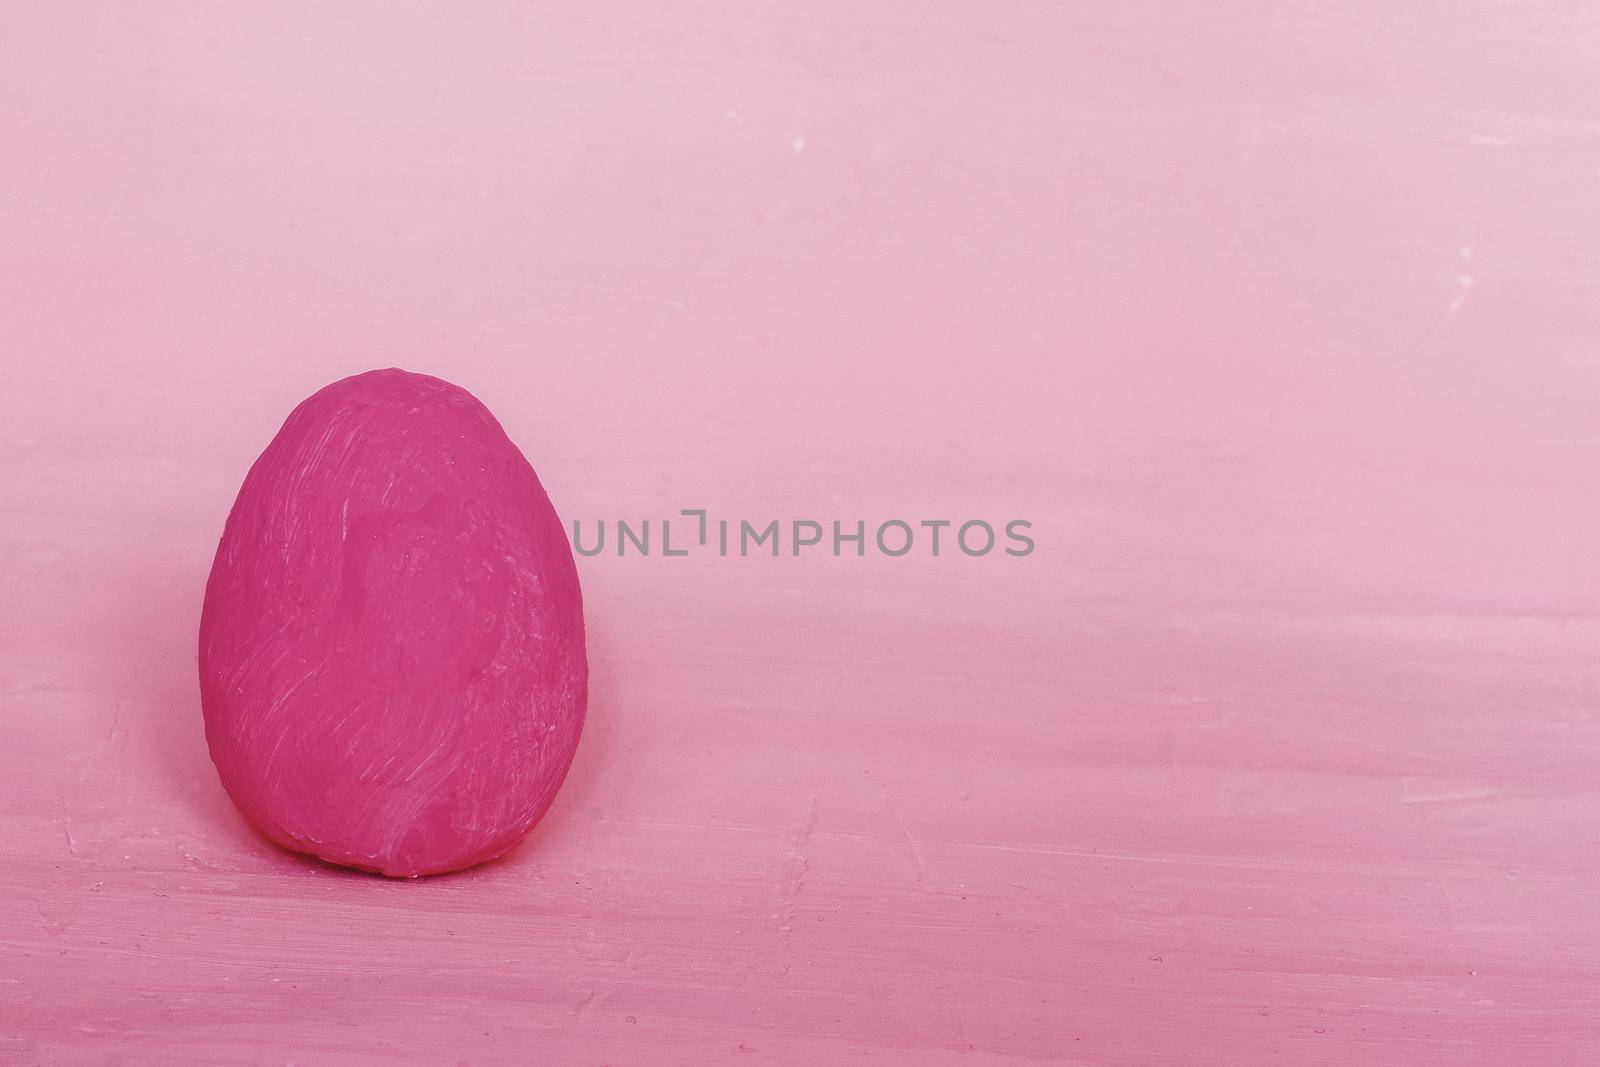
(392, 662)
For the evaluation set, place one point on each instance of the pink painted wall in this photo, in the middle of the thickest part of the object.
(1279, 322)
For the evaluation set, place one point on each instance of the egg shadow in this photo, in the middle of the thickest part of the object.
(152, 628)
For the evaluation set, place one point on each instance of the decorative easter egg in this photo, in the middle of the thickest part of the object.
(392, 662)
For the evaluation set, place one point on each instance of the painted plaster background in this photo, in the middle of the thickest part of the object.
(1278, 321)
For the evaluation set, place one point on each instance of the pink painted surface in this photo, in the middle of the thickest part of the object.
(391, 647)
(1278, 322)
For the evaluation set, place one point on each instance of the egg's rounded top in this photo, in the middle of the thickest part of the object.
(392, 664)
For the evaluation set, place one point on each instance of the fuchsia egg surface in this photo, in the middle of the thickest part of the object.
(392, 663)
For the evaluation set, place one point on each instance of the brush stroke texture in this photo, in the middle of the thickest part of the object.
(391, 652)
(1280, 749)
